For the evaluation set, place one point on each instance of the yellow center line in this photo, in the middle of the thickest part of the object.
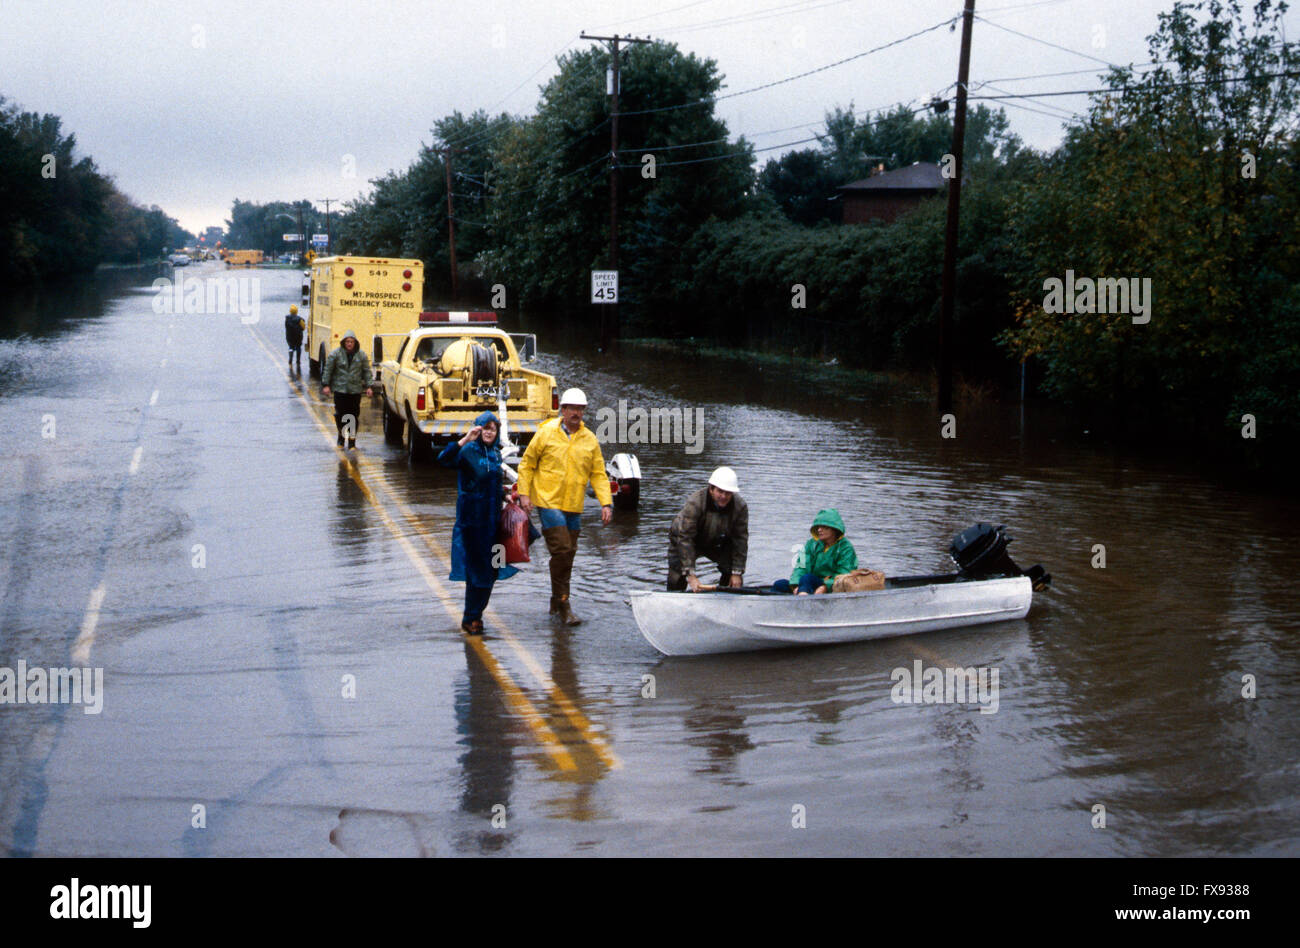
(514, 696)
(570, 710)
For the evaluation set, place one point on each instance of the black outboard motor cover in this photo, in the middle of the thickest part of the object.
(980, 552)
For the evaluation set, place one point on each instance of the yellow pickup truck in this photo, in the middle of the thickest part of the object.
(452, 368)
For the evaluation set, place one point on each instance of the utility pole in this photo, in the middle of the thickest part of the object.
(302, 235)
(954, 208)
(609, 327)
(451, 218)
(329, 240)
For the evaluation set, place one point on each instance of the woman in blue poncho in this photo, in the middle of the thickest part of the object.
(478, 513)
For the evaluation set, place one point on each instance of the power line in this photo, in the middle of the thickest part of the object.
(651, 16)
(768, 85)
(1153, 64)
(567, 174)
(1291, 74)
(1055, 115)
(549, 60)
(1046, 42)
(532, 211)
(1023, 6)
(802, 141)
(1058, 112)
(1003, 97)
(767, 14)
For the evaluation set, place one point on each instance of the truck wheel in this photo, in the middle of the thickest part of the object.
(417, 443)
(392, 425)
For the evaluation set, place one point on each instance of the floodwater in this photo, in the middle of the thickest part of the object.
(283, 672)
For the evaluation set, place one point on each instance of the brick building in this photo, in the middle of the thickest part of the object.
(890, 194)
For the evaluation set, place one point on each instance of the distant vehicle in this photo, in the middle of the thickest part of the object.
(179, 259)
(371, 296)
(243, 258)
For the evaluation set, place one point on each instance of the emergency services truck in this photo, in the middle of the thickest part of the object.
(371, 296)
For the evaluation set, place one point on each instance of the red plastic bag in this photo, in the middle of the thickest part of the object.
(513, 533)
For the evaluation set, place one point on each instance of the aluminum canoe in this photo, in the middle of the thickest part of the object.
(709, 622)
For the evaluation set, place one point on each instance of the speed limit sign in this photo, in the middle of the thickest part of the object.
(604, 286)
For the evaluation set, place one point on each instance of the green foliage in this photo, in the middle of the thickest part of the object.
(70, 220)
(254, 226)
(871, 290)
(1154, 184)
(550, 213)
(804, 183)
(406, 214)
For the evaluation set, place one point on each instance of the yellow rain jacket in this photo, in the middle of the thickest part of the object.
(556, 466)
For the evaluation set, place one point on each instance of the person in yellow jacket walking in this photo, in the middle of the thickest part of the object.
(553, 474)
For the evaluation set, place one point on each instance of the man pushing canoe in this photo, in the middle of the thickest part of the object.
(714, 524)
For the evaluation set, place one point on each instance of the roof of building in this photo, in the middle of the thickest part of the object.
(919, 176)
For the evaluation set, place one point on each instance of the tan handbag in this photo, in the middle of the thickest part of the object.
(860, 580)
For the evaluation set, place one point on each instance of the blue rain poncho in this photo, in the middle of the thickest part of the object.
(478, 508)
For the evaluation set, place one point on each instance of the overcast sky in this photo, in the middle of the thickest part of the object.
(191, 105)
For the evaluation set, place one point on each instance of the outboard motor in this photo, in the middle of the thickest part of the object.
(624, 473)
(980, 552)
(624, 480)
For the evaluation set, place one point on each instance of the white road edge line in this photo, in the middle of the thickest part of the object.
(81, 648)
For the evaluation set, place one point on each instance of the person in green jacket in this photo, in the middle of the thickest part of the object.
(345, 373)
(825, 556)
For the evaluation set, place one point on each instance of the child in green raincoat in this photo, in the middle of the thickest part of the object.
(825, 556)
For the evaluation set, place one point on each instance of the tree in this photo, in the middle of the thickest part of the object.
(406, 214)
(804, 183)
(549, 211)
(1183, 176)
(254, 226)
(58, 213)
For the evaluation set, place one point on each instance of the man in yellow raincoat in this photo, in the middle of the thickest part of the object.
(553, 475)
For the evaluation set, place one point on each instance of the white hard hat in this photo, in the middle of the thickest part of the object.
(573, 396)
(724, 478)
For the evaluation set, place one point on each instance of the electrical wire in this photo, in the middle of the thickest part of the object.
(651, 16)
(532, 211)
(756, 15)
(1045, 42)
(1061, 113)
(548, 62)
(802, 75)
(1290, 74)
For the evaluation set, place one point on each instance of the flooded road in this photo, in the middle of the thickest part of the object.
(283, 672)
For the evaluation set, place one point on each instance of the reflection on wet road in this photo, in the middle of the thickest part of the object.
(284, 672)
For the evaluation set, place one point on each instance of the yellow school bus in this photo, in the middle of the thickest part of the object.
(243, 258)
(371, 296)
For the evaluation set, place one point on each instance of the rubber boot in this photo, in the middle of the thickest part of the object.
(560, 544)
(566, 613)
(557, 539)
